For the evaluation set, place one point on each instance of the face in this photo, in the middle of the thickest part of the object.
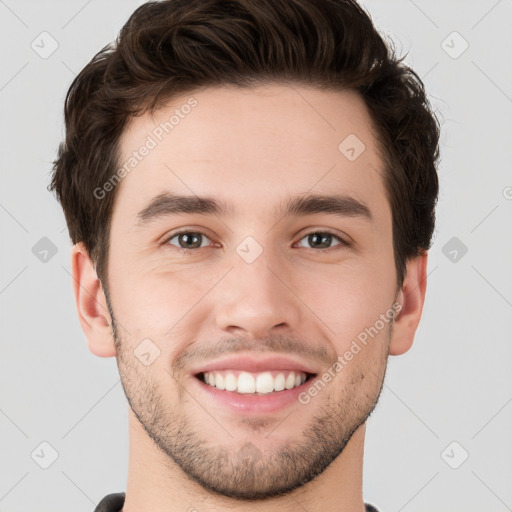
(263, 278)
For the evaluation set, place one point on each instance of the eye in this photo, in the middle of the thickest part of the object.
(188, 240)
(322, 240)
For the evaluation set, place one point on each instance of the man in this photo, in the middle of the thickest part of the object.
(250, 187)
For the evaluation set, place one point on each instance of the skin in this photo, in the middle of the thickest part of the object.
(252, 148)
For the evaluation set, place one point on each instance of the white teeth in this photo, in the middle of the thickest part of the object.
(290, 381)
(219, 382)
(249, 383)
(230, 382)
(264, 383)
(279, 382)
(246, 383)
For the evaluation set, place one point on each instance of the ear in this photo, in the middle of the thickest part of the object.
(411, 298)
(91, 303)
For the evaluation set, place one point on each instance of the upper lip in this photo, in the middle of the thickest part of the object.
(256, 365)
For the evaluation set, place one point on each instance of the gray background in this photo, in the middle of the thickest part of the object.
(454, 385)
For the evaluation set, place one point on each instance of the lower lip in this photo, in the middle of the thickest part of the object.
(254, 404)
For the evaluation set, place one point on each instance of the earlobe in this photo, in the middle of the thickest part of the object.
(91, 303)
(411, 298)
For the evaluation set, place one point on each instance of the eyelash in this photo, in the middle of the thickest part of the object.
(342, 242)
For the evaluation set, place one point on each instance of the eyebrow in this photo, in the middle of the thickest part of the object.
(166, 205)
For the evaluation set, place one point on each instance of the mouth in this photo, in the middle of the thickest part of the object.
(250, 384)
(255, 383)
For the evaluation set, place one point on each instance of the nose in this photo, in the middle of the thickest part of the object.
(257, 299)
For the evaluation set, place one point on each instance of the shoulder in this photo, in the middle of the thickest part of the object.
(111, 503)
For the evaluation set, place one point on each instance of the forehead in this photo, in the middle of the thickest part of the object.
(251, 147)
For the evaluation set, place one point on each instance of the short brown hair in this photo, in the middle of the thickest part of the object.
(170, 47)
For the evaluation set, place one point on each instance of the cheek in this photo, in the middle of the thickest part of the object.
(155, 303)
(349, 298)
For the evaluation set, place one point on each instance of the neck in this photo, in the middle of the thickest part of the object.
(156, 483)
